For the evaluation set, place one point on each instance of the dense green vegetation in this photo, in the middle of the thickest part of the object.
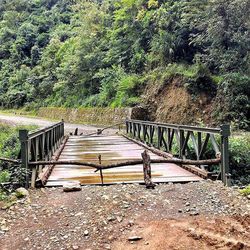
(102, 53)
(9, 148)
(240, 158)
(246, 191)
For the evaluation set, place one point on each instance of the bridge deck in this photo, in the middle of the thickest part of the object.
(113, 149)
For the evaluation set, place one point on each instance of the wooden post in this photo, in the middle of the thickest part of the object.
(76, 131)
(100, 162)
(147, 170)
(23, 137)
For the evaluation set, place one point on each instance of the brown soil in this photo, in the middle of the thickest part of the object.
(172, 103)
(203, 215)
(191, 233)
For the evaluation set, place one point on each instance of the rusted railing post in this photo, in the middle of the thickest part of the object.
(225, 133)
(23, 137)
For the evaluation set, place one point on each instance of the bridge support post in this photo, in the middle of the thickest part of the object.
(225, 133)
(147, 170)
(23, 137)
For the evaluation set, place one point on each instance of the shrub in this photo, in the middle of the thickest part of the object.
(245, 191)
(240, 158)
(232, 102)
(201, 81)
(10, 148)
(127, 91)
(4, 176)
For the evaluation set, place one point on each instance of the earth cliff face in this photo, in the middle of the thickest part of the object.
(172, 103)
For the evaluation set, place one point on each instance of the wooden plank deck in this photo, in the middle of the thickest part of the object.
(113, 149)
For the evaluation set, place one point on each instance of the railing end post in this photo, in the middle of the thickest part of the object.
(23, 137)
(225, 133)
(225, 130)
(23, 134)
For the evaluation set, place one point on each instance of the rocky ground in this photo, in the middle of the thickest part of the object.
(204, 215)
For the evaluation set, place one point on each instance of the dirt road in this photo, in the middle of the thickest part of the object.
(69, 127)
(202, 215)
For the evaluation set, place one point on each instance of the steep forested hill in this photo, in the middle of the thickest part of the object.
(104, 53)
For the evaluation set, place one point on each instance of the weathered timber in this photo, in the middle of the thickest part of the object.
(127, 163)
(100, 130)
(100, 162)
(198, 171)
(147, 170)
(76, 131)
(10, 160)
(191, 166)
(44, 175)
(153, 150)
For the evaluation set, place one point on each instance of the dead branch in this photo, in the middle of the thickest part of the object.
(127, 163)
(10, 160)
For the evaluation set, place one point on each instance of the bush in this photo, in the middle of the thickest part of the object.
(232, 102)
(245, 191)
(4, 176)
(10, 148)
(240, 158)
(127, 92)
(201, 81)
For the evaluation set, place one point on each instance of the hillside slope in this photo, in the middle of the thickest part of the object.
(100, 53)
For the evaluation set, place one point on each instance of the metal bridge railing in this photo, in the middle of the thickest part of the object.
(183, 138)
(39, 146)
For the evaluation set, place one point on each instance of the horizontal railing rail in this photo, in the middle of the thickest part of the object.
(185, 142)
(39, 145)
(38, 132)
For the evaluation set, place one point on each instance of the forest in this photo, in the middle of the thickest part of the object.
(82, 53)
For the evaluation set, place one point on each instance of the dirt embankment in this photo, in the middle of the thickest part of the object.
(172, 103)
(86, 115)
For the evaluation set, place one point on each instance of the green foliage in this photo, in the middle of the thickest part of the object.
(10, 148)
(245, 191)
(3, 195)
(223, 35)
(98, 53)
(127, 91)
(4, 176)
(201, 82)
(233, 100)
(240, 158)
